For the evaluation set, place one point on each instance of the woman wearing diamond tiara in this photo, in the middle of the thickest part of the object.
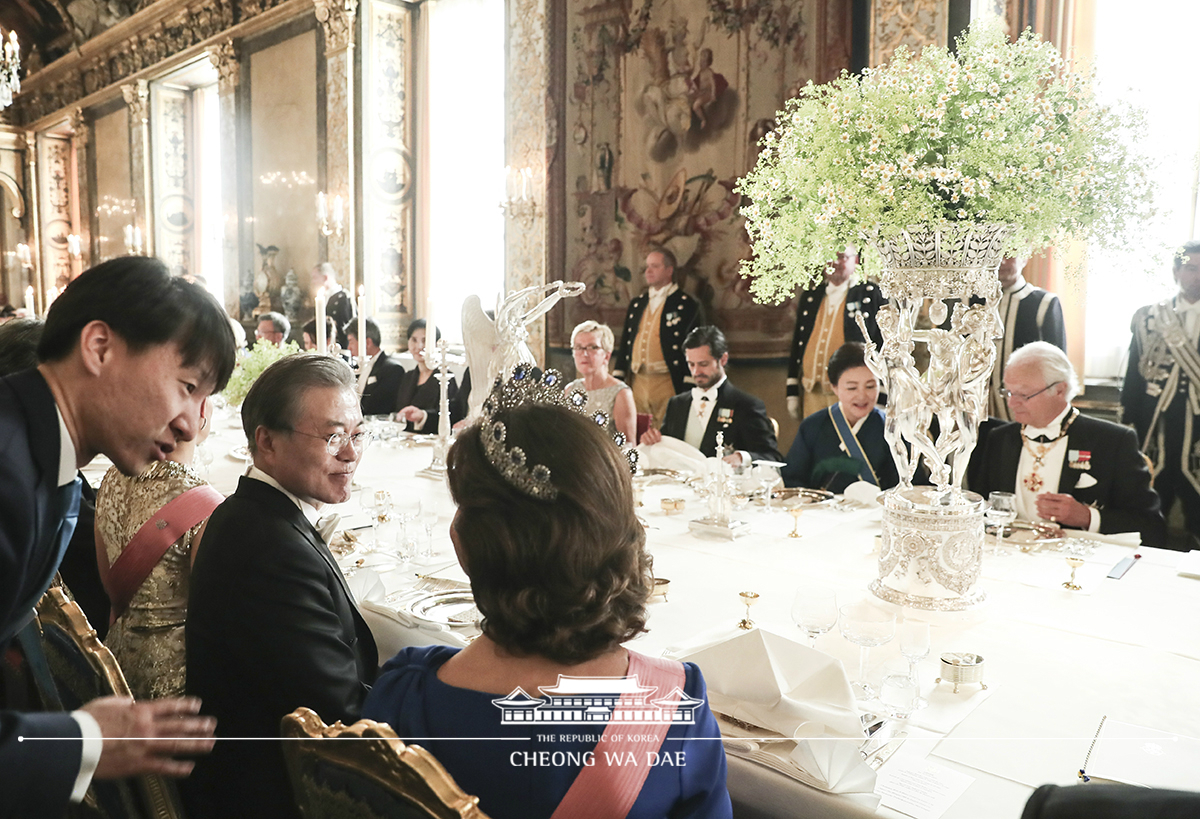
(844, 443)
(547, 533)
(592, 346)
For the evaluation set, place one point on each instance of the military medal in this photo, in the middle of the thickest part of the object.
(1033, 481)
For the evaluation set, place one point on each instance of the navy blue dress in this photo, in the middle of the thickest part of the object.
(513, 779)
(816, 460)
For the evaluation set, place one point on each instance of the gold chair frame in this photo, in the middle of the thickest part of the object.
(56, 608)
(375, 752)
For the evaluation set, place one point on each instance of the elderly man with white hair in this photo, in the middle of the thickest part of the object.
(1065, 468)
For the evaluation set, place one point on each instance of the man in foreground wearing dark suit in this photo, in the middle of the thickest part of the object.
(128, 356)
(271, 623)
(382, 381)
(714, 405)
(1064, 467)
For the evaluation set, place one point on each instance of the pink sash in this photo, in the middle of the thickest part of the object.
(150, 543)
(605, 791)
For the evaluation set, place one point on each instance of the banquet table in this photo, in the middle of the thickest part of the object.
(1056, 661)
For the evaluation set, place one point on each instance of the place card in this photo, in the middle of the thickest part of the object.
(920, 788)
(1143, 756)
(1189, 564)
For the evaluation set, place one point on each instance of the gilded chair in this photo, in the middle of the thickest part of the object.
(79, 668)
(363, 771)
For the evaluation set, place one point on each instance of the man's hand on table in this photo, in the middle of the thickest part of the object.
(144, 737)
(651, 436)
(1063, 510)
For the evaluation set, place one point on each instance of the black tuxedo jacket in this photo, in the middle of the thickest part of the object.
(744, 422)
(36, 778)
(341, 308)
(864, 298)
(271, 626)
(680, 314)
(1122, 491)
(383, 383)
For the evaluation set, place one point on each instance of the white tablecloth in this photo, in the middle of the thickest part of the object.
(1056, 661)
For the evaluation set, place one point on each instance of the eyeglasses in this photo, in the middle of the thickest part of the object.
(337, 441)
(1009, 395)
(591, 349)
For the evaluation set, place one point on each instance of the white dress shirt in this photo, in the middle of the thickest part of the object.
(703, 402)
(1050, 471)
(1189, 315)
(659, 294)
(89, 729)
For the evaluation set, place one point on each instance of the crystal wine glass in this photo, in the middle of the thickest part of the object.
(1001, 511)
(815, 611)
(203, 459)
(366, 501)
(429, 519)
(866, 626)
(914, 645)
(767, 477)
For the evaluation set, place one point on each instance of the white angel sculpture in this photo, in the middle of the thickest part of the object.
(494, 348)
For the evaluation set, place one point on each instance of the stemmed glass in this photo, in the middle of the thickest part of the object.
(1001, 511)
(866, 626)
(767, 477)
(429, 519)
(408, 509)
(914, 645)
(366, 501)
(203, 459)
(1074, 562)
(380, 510)
(749, 598)
(815, 611)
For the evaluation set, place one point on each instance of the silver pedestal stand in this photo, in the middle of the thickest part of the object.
(718, 522)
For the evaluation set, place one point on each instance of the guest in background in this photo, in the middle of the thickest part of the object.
(239, 335)
(18, 344)
(1064, 467)
(715, 405)
(274, 328)
(383, 374)
(1027, 313)
(592, 345)
(420, 393)
(310, 334)
(339, 306)
(271, 624)
(146, 567)
(1161, 395)
(825, 319)
(650, 358)
(843, 443)
(559, 572)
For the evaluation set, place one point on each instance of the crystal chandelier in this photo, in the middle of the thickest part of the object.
(10, 63)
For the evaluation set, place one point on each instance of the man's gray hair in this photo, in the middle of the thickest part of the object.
(279, 322)
(1053, 363)
(278, 394)
(326, 270)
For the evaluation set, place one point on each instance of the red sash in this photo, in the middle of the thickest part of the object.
(605, 791)
(150, 543)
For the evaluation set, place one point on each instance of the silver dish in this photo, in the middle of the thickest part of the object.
(447, 608)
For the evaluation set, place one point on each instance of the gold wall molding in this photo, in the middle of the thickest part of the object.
(337, 22)
(337, 18)
(914, 23)
(163, 35)
(81, 137)
(229, 68)
(55, 198)
(529, 144)
(137, 100)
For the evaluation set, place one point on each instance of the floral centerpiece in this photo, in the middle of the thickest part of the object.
(262, 355)
(999, 133)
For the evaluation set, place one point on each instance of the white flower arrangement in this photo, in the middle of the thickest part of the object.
(999, 133)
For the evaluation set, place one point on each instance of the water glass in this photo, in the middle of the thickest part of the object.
(815, 611)
(914, 645)
(866, 625)
(1001, 511)
(899, 694)
(429, 519)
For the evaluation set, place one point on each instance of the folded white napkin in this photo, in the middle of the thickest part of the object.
(862, 492)
(768, 680)
(670, 453)
(833, 765)
(366, 584)
(1117, 538)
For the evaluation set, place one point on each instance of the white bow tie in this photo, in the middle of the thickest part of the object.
(326, 526)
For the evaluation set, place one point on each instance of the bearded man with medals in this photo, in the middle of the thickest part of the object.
(1065, 468)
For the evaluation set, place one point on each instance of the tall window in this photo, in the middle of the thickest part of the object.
(1148, 57)
(466, 155)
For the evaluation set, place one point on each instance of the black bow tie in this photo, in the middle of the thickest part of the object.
(1042, 439)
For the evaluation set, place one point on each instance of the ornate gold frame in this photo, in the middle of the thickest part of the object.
(409, 770)
(57, 609)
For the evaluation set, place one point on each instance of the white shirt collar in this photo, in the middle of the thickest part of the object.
(711, 392)
(836, 291)
(659, 293)
(1052, 429)
(1016, 285)
(66, 451)
(1182, 305)
(311, 512)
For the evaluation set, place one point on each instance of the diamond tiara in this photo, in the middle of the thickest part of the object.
(527, 387)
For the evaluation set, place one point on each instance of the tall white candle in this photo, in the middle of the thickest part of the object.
(362, 332)
(321, 322)
(322, 212)
(29, 311)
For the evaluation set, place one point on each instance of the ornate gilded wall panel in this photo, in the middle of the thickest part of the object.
(530, 139)
(665, 104)
(137, 99)
(81, 137)
(338, 20)
(388, 168)
(54, 179)
(229, 72)
(914, 23)
(174, 178)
